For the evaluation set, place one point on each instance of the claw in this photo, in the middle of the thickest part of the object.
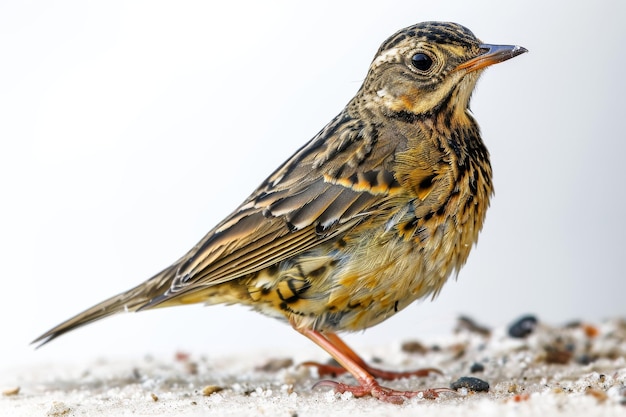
(364, 374)
(326, 383)
(382, 393)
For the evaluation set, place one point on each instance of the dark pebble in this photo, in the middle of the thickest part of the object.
(477, 367)
(471, 383)
(523, 327)
(414, 346)
(466, 323)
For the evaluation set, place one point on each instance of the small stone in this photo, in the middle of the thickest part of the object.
(477, 367)
(211, 389)
(590, 331)
(471, 383)
(11, 391)
(414, 346)
(523, 327)
(466, 323)
(154, 397)
(557, 354)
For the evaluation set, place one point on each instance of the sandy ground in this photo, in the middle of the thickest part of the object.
(578, 369)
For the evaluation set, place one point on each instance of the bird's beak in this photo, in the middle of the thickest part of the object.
(493, 54)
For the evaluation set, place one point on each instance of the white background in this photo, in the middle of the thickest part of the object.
(128, 129)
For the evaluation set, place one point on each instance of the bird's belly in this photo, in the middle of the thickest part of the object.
(357, 287)
(373, 287)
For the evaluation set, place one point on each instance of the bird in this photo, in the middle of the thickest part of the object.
(374, 212)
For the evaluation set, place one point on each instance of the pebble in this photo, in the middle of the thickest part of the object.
(11, 391)
(523, 326)
(414, 346)
(471, 383)
(477, 367)
(211, 389)
(466, 323)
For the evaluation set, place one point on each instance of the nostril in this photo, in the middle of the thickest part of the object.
(484, 49)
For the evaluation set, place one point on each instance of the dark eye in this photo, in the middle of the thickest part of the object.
(422, 61)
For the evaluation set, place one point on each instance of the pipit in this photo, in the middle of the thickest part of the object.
(373, 213)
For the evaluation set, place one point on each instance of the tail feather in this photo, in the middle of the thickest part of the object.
(128, 301)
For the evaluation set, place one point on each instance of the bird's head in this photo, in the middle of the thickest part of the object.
(425, 66)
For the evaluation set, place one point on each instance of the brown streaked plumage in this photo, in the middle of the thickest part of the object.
(373, 213)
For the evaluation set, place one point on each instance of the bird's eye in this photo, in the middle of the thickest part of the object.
(422, 61)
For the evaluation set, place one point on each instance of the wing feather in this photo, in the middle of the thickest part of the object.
(320, 193)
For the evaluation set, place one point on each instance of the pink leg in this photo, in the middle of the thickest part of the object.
(353, 364)
(332, 370)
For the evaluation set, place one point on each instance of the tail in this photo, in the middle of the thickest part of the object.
(128, 301)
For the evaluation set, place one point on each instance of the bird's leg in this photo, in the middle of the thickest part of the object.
(367, 385)
(333, 370)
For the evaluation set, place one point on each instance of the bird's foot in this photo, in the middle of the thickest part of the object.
(382, 393)
(335, 370)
